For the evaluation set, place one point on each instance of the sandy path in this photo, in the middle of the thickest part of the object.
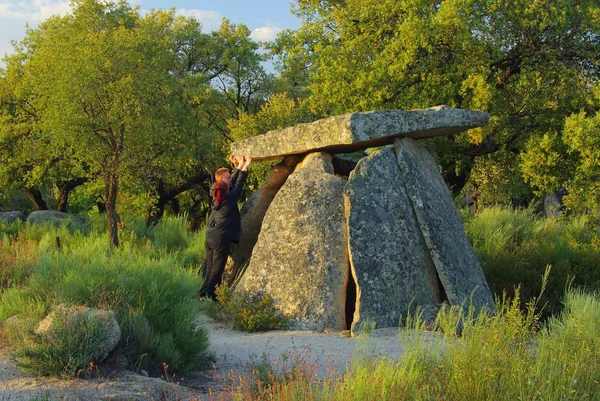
(235, 352)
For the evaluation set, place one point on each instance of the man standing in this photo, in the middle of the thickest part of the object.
(224, 224)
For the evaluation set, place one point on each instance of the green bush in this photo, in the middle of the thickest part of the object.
(250, 312)
(151, 289)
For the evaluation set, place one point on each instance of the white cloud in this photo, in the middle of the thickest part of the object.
(14, 15)
(265, 33)
(211, 20)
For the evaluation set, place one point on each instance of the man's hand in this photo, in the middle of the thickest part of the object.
(233, 160)
(240, 161)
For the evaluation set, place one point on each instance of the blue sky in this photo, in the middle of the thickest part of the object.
(264, 18)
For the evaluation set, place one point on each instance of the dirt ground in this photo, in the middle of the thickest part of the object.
(236, 354)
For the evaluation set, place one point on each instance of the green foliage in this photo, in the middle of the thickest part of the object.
(514, 248)
(210, 308)
(151, 293)
(250, 312)
(569, 160)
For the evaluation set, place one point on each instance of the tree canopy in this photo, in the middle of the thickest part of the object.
(530, 64)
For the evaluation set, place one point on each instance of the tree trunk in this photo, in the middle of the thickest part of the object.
(175, 206)
(65, 188)
(455, 182)
(155, 212)
(111, 186)
(35, 196)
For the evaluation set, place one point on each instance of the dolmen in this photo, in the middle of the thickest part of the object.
(368, 245)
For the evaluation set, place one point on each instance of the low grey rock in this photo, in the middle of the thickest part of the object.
(63, 312)
(553, 203)
(57, 218)
(10, 217)
(452, 254)
(355, 131)
(300, 258)
(388, 255)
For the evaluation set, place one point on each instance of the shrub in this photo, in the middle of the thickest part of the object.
(152, 294)
(67, 350)
(250, 312)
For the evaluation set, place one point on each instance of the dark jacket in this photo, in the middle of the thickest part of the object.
(224, 222)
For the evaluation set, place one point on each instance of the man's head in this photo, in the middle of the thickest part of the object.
(223, 175)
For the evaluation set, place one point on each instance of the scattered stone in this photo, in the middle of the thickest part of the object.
(10, 217)
(553, 203)
(57, 218)
(388, 255)
(356, 131)
(452, 254)
(300, 257)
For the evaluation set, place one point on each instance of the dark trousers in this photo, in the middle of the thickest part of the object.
(215, 258)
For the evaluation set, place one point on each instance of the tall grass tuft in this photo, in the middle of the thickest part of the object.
(67, 351)
(515, 246)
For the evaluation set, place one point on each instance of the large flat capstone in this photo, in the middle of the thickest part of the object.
(355, 131)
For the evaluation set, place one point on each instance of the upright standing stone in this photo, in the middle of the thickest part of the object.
(300, 257)
(453, 256)
(388, 256)
(318, 160)
(253, 213)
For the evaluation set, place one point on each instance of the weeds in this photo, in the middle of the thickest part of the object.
(507, 356)
(67, 350)
(514, 247)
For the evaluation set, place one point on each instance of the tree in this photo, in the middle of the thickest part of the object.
(27, 161)
(569, 160)
(221, 78)
(529, 64)
(104, 88)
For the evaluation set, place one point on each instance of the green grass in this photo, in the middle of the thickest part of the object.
(514, 248)
(151, 282)
(508, 356)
